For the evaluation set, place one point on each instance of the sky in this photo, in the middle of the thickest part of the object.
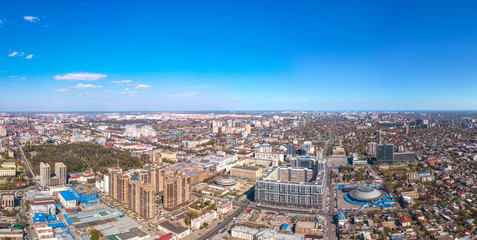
(237, 55)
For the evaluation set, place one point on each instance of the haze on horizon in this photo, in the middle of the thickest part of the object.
(237, 55)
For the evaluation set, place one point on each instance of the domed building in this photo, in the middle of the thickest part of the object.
(230, 181)
(367, 196)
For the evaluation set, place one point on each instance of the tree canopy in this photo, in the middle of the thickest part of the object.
(79, 157)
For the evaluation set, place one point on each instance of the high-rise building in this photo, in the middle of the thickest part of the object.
(46, 178)
(378, 137)
(45, 174)
(154, 176)
(60, 171)
(177, 188)
(385, 152)
(248, 128)
(290, 149)
(3, 131)
(141, 199)
(119, 186)
(371, 150)
(292, 187)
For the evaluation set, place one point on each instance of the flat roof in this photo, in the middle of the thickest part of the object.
(250, 168)
(172, 227)
(82, 189)
(68, 196)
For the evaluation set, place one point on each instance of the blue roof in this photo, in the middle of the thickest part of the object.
(284, 226)
(424, 172)
(68, 196)
(39, 217)
(56, 224)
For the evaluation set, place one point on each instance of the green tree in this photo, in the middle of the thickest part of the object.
(213, 206)
(95, 234)
(207, 203)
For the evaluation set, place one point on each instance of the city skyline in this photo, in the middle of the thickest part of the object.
(218, 56)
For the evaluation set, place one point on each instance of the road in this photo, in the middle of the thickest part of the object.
(24, 160)
(225, 222)
(331, 204)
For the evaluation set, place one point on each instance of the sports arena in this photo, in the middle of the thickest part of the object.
(366, 196)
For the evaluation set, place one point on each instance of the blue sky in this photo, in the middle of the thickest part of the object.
(237, 55)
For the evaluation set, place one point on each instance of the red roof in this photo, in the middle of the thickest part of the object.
(165, 237)
(404, 219)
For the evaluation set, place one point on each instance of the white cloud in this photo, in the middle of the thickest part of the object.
(29, 56)
(13, 54)
(142, 86)
(121, 82)
(129, 92)
(86, 86)
(80, 76)
(95, 95)
(63, 90)
(31, 19)
(13, 76)
(22, 78)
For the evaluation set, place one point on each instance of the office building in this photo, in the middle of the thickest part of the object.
(303, 162)
(385, 153)
(246, 172)
(290, 149)
(404, 156)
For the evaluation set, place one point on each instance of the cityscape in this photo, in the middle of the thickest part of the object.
(186, 120)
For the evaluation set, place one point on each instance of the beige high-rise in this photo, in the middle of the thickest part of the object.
(141, 199)
(45, 174)
(177, 189)
(60, 171)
